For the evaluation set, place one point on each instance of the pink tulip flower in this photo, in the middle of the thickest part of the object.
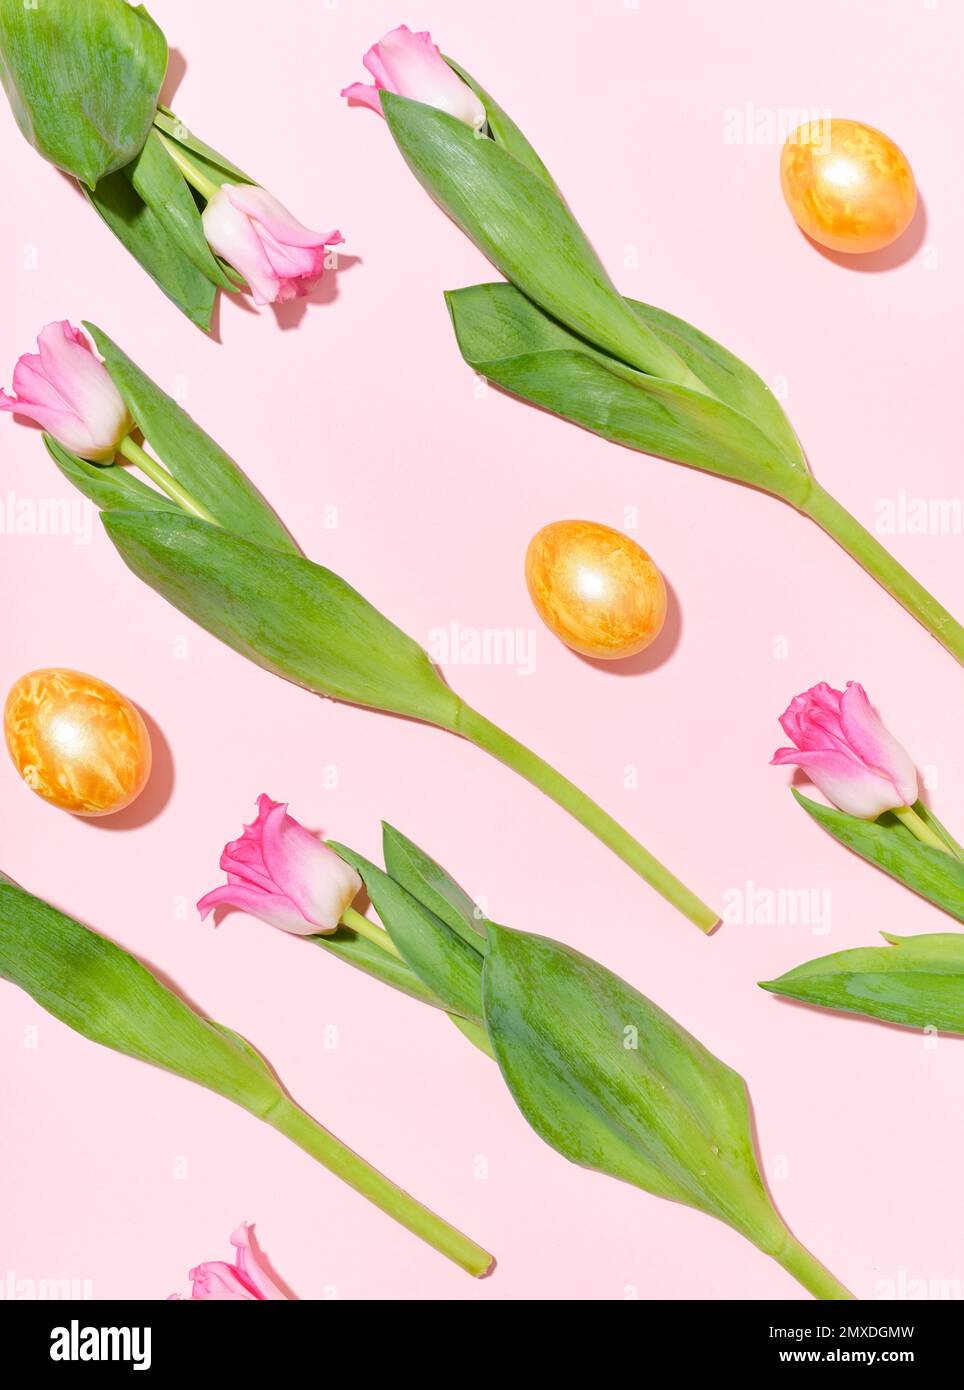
(280, 259)
(410, 65)
(847, 752)
(282, 873)
(246, 1279)
(68, 391)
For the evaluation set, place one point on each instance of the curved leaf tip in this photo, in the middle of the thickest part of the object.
(83, 78)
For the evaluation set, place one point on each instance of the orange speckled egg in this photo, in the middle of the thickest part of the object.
(76, 741)
(847, 185)
(596, 589)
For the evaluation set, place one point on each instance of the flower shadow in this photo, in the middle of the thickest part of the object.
(176, 69)
(266, 1264)
(289, 315)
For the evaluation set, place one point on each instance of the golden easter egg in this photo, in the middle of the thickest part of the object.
(847, 185)
(595, 588)
(76, 741)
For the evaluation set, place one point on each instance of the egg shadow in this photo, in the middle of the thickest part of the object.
(155, 795)
(891, 257)
(653, 656)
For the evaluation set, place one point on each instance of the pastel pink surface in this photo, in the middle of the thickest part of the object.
(356, 416)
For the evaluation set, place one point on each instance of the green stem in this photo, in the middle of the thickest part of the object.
(370, 931)
(919, 827)
(195, 176)
(867, 551)
(159, 475)
(941, 831)
(298, 1126)
(809, 1272)
(484, 734)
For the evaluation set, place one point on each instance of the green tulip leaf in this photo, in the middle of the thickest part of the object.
(83, 78)
(445, 963)
(149, 241)
(616, 1085)
(917, 981)
(219, 169)
(162, 186)
(503, 128)
(108, 996)
(195, 460)
(432, 886)
(102, 992)
(525, 229)
(941, 831)
(508, 340)
(283, 612)
(108, 486)
(366, 956)
(729, 378)
(936, 876)
(475, 1032)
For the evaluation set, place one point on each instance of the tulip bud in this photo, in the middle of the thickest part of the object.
(410, 65)
(847, 752)
(65, 389)
(246, 1280)
(282, 873)
(278, 256)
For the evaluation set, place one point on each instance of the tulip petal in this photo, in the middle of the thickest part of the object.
(875, 744)
(277, 255)
(31, 384)
(69, 392)
(61, 423)
(75, 373)
(253, 874)
(214, 1279)
(850, 755)
(364, 94)
(284, 874)
(854, 788)
(235, 240)
(266, 209)
(291, 262)
(410, 65)
(273, 908)
(243, 861)
(307, 871)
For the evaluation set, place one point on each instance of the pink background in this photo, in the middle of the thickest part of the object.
(361, 403)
